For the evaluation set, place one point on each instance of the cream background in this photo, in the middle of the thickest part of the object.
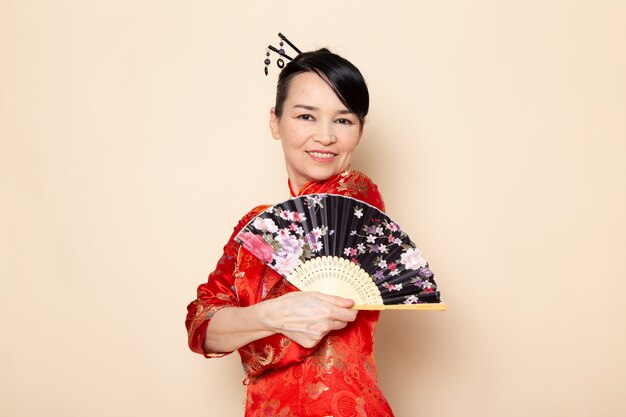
(133, 135)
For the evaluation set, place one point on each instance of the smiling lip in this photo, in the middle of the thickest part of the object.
(320, 156)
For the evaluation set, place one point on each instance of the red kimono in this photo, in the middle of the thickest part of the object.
(337, 377)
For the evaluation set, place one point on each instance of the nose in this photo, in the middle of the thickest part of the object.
(326, 134)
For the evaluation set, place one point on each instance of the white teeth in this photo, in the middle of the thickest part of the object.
(321, 155)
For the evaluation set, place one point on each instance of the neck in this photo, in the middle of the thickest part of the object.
(292, 187)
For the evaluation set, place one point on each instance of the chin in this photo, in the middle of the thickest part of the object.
(324, 174)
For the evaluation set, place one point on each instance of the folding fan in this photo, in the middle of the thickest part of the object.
(342, 246)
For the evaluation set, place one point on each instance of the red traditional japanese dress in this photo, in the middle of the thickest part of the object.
(337, 377)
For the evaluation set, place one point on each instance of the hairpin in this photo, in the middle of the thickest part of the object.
(280, 63)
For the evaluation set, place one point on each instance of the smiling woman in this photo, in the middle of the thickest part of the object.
(304, 353)
(317, 131)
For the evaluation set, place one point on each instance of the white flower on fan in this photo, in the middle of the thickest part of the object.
(292, 245)
(412, 259)
(286, 264)
(316, 246)
(314, 200)
(358, 212)
(382, 248)
(350, 252)
(411, 299)
(361, 248)
(371, 239)
(265, 225)
(382, 264)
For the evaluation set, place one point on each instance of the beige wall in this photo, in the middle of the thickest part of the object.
(133, 134)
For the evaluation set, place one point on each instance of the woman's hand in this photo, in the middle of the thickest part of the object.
(306, 317)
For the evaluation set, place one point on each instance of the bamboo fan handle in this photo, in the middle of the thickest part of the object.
(422, 306)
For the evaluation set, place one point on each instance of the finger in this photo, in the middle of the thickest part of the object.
(339, 324)
(334, 299)
(344, 314)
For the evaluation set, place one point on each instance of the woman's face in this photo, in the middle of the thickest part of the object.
(317, 131)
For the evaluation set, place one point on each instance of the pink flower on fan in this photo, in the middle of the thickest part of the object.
(257, 245)
(298, 217)
(316, 246)
(392, 287)
(265, 225)
(412, 259)
(282, 235)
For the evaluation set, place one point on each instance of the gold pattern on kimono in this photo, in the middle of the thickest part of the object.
(270, 408)
(223, 296)
(203, 313)
(328, 358)
(353, 185)
(315, 390)
(259, 360)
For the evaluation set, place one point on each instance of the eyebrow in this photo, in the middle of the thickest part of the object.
(304, 106)
(313, 108)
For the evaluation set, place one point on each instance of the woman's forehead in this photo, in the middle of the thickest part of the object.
(309, 89)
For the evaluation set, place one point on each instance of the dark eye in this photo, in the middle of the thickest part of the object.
(306, 117)
(344, 121)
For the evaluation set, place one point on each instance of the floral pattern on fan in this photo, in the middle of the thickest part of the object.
(290, 233)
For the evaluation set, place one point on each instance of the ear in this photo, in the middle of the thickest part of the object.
(274, 123)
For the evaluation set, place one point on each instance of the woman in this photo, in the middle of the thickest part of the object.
(304, 353)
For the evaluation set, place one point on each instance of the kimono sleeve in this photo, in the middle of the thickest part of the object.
(218, 292)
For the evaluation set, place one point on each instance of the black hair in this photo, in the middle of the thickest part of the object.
(340, 74)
